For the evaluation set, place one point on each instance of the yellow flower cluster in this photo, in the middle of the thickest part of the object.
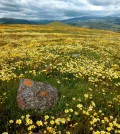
(92, 56)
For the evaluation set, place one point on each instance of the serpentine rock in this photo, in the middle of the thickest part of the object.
(36, 95)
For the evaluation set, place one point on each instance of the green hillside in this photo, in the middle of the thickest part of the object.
(99, 25)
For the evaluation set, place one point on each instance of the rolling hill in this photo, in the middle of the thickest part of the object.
(105, 23)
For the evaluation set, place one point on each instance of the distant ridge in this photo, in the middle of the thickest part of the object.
(13, 21)
(95, 22)
(22, 21)
(108, 19)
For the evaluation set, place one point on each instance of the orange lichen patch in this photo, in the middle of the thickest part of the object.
(28, 83)
(43, 93)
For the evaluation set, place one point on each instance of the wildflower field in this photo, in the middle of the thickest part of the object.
(83, 64)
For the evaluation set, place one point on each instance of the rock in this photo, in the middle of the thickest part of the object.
(36, 95)
(48, 68)
(76, 55)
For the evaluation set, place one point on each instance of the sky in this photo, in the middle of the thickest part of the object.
(57, 9)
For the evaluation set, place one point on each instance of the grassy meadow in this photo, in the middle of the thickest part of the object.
(84, 65)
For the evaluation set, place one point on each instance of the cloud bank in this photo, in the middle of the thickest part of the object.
(57, 9)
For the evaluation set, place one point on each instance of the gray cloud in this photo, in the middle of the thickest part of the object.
(104, 2)
(57, 9)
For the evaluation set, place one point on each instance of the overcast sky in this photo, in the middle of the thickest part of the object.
(57, 9)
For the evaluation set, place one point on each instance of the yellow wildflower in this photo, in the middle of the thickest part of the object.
(18, 121)
(39, 123)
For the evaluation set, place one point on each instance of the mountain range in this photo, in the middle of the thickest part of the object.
(105, 23)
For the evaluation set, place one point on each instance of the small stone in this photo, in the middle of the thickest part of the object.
(76, 55)
(48, 68)
(36, 95)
